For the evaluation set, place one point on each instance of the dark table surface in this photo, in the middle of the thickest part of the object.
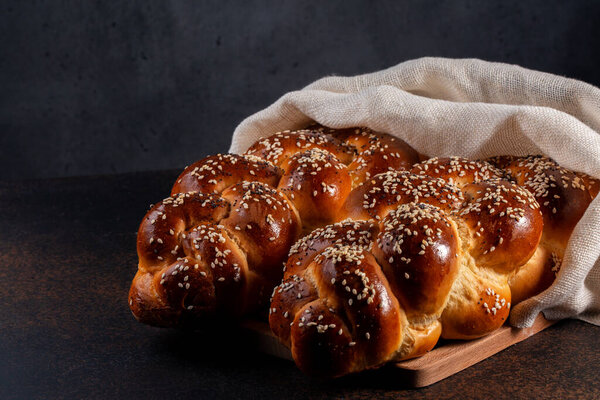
(67, 255)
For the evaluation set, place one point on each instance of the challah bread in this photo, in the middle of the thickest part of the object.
(218, 244)
(377, 152)
(420, 258)
(394, 253)
(214, 174)
(563, 197)
(195, 258)
(322, 166)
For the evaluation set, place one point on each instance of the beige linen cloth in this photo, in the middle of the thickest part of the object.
(474, 109)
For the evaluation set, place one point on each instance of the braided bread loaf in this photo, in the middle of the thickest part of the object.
(428, 258)
(219, 242)
(394, 253)
(563, 197)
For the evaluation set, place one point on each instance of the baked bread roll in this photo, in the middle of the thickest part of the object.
(393, 253)
(420, 258)
(563, 197)
(217, 245)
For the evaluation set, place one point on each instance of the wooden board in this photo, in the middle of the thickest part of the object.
(441, 362)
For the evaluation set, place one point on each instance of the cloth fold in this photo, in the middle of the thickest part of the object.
(475, 109)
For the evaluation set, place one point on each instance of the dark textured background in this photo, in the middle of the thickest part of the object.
(91, 87)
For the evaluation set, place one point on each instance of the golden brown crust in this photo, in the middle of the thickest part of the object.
(382, 193)
(417, 247)
(283, 145)
(458, 171)
(460, 247)
(165, 225)
(420, 340)
(250, 207)
(376, 153)
(438, 248)
(349, 231)
(173, 276)
(592, 185)
(505, 222)
(214, 174)
(535, 276)
(563, 196)
(351, 320)
(477, 306)
(264, 223)
(318, 347)
(317, 183)
(420, 256)
(203, 253)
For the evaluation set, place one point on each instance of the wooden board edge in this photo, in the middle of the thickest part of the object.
(438, 364)
(456, 356)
